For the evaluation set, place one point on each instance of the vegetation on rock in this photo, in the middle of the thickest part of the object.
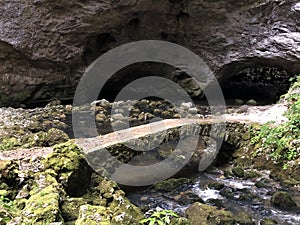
(282, 142)
(202, 214)
(164, 217)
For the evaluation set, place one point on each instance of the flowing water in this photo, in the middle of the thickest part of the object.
(258, 208)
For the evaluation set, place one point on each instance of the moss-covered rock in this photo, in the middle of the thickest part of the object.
(70, 208)
(8, 209)
(216, 185)
(250, 174)
(283, 200)
(107, 188)
(186, 198)
(9, 143)
(43, 207)
(9, 175)
(105, 193)
(123, 211)
(171, 184)
(268, 222)
(93, 215)
(238, 172)
(71, 169)
(262, 183)
(244, 219)
(248, 197)
(202, 214)
(180, 221)
(119, 212)
(227, 192)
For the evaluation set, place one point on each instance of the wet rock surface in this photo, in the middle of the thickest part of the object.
(282, 200)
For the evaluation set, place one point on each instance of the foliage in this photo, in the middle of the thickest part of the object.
(9, 143)
(160, 218)
(6, 208)
(282, 142)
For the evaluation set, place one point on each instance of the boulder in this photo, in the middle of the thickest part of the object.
(171, 184)
(202, 214)
(283, 200)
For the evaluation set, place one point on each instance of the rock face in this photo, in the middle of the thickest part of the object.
(45, 46)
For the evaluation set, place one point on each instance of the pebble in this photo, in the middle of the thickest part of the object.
(144, 198)
(251, 102)
(238, 102)
(187, 104)
(193, 111)
(118, 116)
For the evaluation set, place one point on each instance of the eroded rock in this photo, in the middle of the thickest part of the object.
(45, 46)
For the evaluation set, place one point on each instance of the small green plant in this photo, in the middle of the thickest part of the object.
(8, 206)
(160, 218)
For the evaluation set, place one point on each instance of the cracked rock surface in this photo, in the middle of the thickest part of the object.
(45, 46)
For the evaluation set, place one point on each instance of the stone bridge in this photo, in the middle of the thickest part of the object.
(193, 141)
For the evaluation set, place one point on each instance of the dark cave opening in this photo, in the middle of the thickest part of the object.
(131, 73)
(265, 85)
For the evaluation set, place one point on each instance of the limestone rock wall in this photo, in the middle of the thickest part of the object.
(46, 45)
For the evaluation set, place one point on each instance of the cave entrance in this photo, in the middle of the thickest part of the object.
(265, 85)
(145, 69)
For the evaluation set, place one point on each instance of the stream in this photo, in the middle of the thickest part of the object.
(242, 195)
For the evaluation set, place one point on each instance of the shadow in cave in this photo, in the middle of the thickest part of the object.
(265, 85)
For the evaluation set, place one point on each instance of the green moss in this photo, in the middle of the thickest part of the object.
(268, 222)
(65, 157)
(171, 184)
(124, 212)
(93, 215)
(107, 188)
(238, 172)
(9, 143)
(202, 214)
(8, 209)
(9, 171)
(216, 185)
(39, 139)
(252, 174)
(244, 219)
(44, 139)
(43, 207)
(70, 208)
(67, 161)
(282, 200)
